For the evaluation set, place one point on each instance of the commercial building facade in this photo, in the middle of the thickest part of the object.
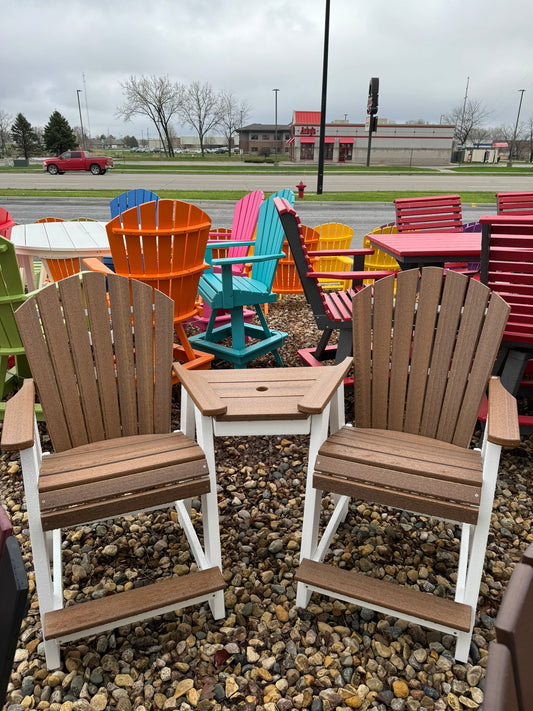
(391, 143)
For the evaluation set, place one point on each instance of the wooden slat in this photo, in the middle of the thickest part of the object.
(424, 326)
(441, 357)
(404, 311)
(112, 609)
(402, 600)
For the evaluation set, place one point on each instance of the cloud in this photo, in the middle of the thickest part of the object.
(423, 51)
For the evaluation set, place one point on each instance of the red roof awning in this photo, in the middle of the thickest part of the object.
(307, 139)
(291, 140)
(345, 139)
(329, 139)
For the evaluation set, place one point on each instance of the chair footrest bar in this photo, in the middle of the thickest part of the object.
(392, 599)
(87, 618)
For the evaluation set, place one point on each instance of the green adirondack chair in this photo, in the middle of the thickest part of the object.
(226, 290)
(13, 363)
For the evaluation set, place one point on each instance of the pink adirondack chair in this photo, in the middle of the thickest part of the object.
(242, 230)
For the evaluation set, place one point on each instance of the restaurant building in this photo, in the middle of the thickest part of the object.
(345, 142)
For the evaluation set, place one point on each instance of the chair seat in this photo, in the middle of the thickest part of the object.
(93, 481)
(245, 291)
(402, 470)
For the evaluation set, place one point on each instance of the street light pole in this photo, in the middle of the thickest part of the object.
(516, 127)
(78, 91)
(276, 125)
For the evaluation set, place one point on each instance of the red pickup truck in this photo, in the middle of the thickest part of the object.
(77, 160)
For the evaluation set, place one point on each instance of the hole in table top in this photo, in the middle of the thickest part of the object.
(262, 388)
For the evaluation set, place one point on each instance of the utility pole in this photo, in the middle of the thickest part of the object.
(276, 125)
(78, 91)
(321, 138)
(510, 161)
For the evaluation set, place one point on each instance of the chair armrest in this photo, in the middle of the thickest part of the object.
(247, 258)
(349, 275)
(226, 244)
(340, 252)
(95, 265)
(19, 419)
(502, 421)
(321, 392)
(199, 390)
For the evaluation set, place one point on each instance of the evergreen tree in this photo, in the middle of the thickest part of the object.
(58, 135)
(25, 138)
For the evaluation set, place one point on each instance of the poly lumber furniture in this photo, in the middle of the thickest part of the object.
(13, 602)
(6, 223)
(429, 249)
(519, 203)
(423, 354)
(509, 660)
(507, 268)
(56, 269)
(57, 240)
(163, 244)
(129, 199)
(439, 212)
(334, 236)
(243, 226)
(261, 401)
(332, 310)
(225, 290)
(13, 363)
(100, 351)
(286, 279)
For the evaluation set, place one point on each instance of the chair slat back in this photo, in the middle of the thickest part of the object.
(129, 199)
(101, 361)
(517, 203)
(11, 296)
(61, 268)
(6, 223)
(423, 353)
(269, 238)
(163, 244)
(507, 268)
(439, 212)
(244, 224)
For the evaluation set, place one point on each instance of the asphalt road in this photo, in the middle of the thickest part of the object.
(114, 180)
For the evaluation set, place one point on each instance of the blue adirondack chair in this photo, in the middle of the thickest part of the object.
(131, 198)
(226, 290)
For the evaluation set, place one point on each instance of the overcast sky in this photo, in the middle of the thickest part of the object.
(423, 51)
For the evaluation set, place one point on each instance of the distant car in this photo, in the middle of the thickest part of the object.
(77, 160)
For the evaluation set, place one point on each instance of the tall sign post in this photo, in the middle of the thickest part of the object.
(320, 176)
(371, 110)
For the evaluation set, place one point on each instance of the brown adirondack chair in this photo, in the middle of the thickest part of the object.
(509, 662)
(163, 243)
(423, 354)
(100, 351)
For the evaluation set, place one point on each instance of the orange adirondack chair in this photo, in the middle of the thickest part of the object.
(163, 244)
(57, 269)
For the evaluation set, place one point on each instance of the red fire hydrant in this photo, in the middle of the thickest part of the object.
(301, 187)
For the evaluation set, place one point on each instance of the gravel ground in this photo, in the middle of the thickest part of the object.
(267, 654)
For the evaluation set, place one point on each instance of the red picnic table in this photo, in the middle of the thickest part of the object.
(418, 249)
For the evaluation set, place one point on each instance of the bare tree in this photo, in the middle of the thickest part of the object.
(233, 116)
(201, 109)
(467, 118)
(6, 121)
(157, 98)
